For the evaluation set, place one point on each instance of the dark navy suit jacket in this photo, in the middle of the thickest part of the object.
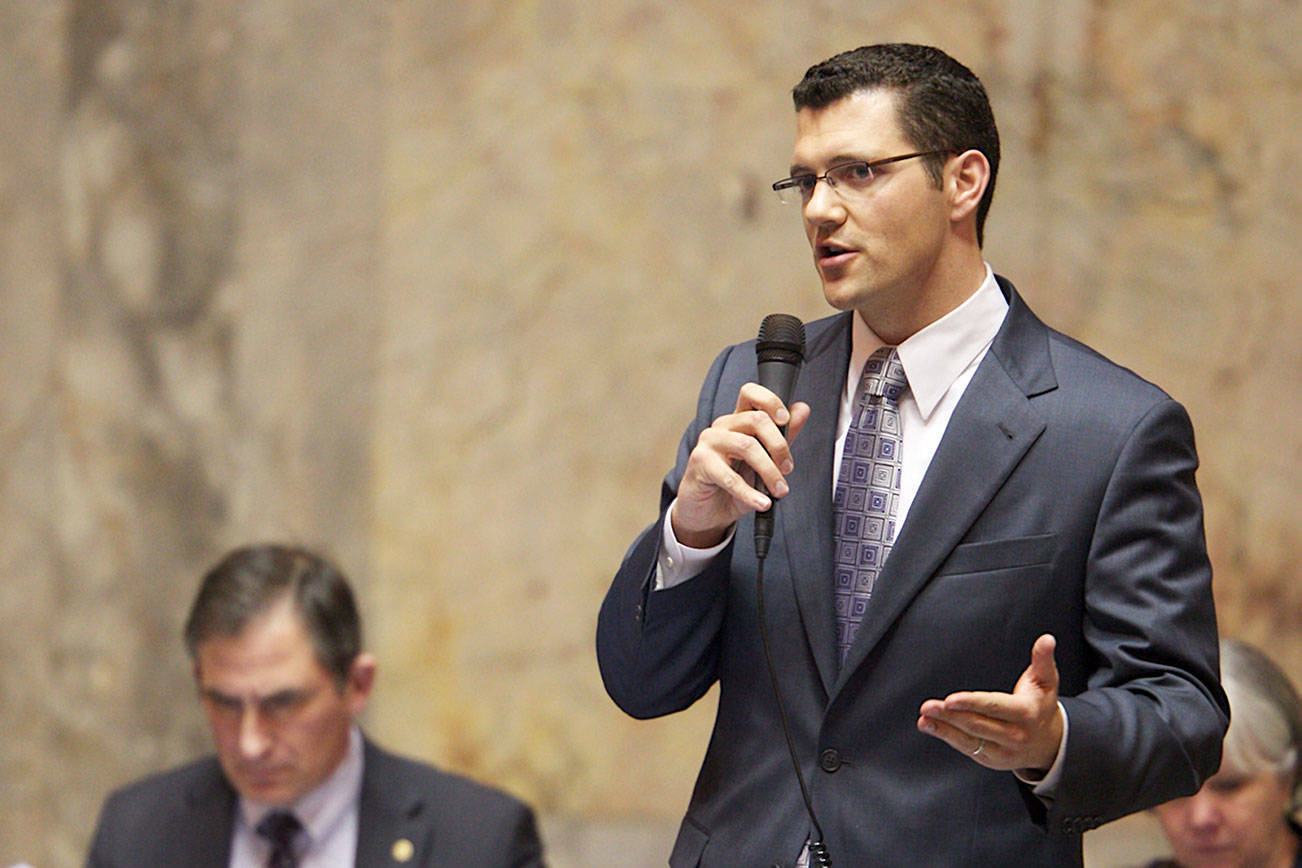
(183, 819)
(1061, 500)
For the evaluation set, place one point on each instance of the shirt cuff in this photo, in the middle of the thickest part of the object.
(677, 563)
(1045, 786)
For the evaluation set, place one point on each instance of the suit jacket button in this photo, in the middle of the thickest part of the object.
(830, 760)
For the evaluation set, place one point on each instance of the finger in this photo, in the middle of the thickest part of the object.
(776, 446)
(799, 415)
(996, 706)
(948, 732)
(737, 447)
(753, 396)
(761, 448)
(974, 724)
(978, 748)
(718, 458)
(1043, 671)
(764, 448)
(752, 399)
(931, 706)
(776, 441)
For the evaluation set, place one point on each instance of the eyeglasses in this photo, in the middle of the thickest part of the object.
(845, 178)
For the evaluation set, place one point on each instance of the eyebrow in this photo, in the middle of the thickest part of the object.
(218, 696)
(838, 160)
(285, 694)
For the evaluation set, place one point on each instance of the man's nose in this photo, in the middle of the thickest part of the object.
(253, 734)
(825, 204)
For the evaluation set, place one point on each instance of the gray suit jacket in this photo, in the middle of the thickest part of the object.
(183, 818)
(1062, 500)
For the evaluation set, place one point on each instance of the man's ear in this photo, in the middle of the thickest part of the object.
(360, 682)
(966, 180)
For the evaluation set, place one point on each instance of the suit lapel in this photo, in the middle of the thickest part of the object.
(806, 513)
(389, 812)
(990, 431)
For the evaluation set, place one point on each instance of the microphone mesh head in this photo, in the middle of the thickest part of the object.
(781, 336)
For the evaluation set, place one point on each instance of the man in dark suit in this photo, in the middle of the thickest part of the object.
(1003, 639)
(275, 639)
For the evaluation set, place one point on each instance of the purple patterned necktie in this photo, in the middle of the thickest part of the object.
(867, 494)
(280, 828)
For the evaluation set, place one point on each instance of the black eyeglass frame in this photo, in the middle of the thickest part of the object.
(795, 181)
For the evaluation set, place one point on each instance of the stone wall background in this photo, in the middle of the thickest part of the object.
(431, 285)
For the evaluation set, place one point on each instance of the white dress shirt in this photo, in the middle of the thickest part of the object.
(328, 814)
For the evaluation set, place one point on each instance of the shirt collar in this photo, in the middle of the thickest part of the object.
(934, 356)
(323, 808)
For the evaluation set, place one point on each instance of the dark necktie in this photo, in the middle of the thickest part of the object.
(280, 829)
(866, 500)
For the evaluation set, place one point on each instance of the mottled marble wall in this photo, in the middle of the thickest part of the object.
(432, 285)
(193, 198)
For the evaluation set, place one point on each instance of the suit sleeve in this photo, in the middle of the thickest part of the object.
(99, 845)
(520, 835)
(469, 824)
(1148, 728)
(107, 847)
(658, 650)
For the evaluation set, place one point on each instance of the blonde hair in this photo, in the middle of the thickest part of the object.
(1265, 733)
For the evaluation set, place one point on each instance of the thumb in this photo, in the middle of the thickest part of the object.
(1042, 674)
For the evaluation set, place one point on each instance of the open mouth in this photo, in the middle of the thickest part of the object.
(829, 253)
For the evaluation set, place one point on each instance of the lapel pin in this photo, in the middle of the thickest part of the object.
(403, 850)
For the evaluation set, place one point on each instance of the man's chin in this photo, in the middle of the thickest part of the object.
(272, 793)
(1209, 856)
(843, 298)
(844, 293)
(836, 298)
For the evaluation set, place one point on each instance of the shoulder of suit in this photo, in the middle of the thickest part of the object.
(198, 774)
(1077, 366)
(154, 799)
(387, 769)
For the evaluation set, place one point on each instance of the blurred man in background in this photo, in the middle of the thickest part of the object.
(275, 639)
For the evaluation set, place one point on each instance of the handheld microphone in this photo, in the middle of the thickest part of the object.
(779, 351)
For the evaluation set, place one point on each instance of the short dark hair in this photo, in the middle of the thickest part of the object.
(941, 104)
(250, 580)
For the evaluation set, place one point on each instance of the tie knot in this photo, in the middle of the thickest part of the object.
(883, 375)
(280, 828)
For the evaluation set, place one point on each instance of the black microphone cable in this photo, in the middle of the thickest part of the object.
(818, 855)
